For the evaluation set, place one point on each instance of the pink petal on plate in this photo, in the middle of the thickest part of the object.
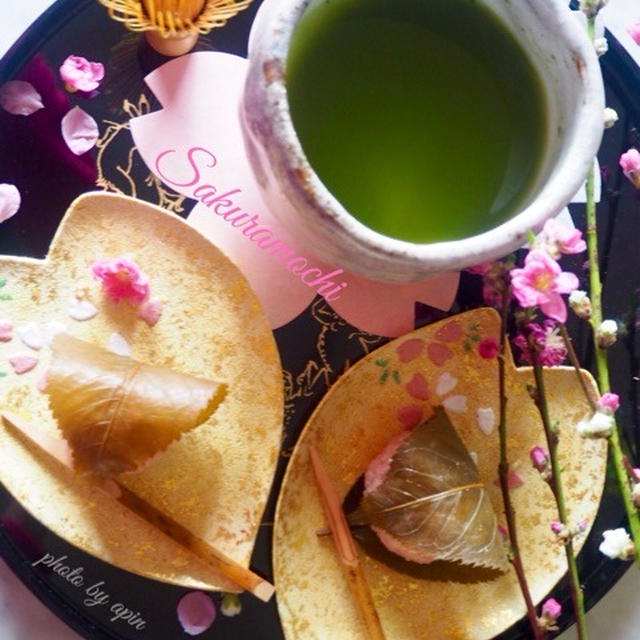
(410, 416)
(6, 330)
(439, 353)
(451, 332)
(79, 130)
(23, 362)
(417, 387)
(20, 98)
(150, 311)
(410, 349)
(196, 612)
(9, 201)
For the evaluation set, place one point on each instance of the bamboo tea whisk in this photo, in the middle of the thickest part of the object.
(172, 27)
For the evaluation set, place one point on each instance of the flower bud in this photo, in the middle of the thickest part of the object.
(539, 458)
(230, 605)
(630, 164)
(617, 544)
(607, 334)
(600, 425)
(610, 117)
(601, 46)
(551, 610)
(608, 403)
(580, 303)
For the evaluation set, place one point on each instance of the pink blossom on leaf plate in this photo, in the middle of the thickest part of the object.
(20, 98)
(122, 279)
(79, 130)
(9, 201)
(79, 74)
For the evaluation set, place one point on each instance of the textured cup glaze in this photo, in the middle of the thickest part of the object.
(568, 67)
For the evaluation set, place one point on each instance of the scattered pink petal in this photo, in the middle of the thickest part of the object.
(634, 31)
(41, 383)
(410, 415)
(79, 130)
(78, 74)
(417, 387)
(439, 353)
(488, 348)
(6, 330)
(23, 362)
(122, 279)
(150, 311)
(410, 349)
(196, 612)
(457, 404)
(20, 98)
(9, 201)
(450, 332)
(446, 382)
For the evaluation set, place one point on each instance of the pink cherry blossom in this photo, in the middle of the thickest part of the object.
(78, 74)
(559, 238)
(630, 163)
(196, 612)
(550, 347)
(634, 31)
(540, 283)
(609, 402)
(20, 98)
(79, 130)
(122, 279)
(9, 201)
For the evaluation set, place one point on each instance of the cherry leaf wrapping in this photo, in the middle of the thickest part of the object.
(20, 98)
(79, 130)
(432, 505)
(117, 413)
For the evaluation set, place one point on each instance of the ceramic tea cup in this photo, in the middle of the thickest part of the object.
(555, 44)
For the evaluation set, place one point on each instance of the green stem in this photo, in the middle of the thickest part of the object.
(575, 362)
(555, 482)
(602, 366)
(503, 475)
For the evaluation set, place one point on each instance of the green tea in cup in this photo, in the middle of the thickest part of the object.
(425, 119)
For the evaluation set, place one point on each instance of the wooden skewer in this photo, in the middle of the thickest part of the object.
(59, 449)
(346, 548)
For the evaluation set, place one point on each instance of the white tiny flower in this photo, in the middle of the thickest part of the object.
(230, 605)
(580, 303)
(601, 46)
(617, 544)
(600, 425)
(607, 333)
(610, 117)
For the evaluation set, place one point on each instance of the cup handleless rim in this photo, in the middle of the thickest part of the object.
(323, 222)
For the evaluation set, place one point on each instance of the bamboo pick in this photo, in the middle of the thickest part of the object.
(59, 449)
(346, 548)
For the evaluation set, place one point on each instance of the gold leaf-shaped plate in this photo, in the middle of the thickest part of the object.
(215, 480)
(377, 399)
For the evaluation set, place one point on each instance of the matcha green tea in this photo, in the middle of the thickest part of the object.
(424, 118)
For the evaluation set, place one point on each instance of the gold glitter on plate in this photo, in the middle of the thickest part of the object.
(215, 480)
(378, 398)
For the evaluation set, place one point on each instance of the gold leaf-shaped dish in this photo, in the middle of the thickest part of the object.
(216, 478)
(388, 391)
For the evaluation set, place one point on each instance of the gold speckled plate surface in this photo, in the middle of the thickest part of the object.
(214, 480)
(383, 394)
